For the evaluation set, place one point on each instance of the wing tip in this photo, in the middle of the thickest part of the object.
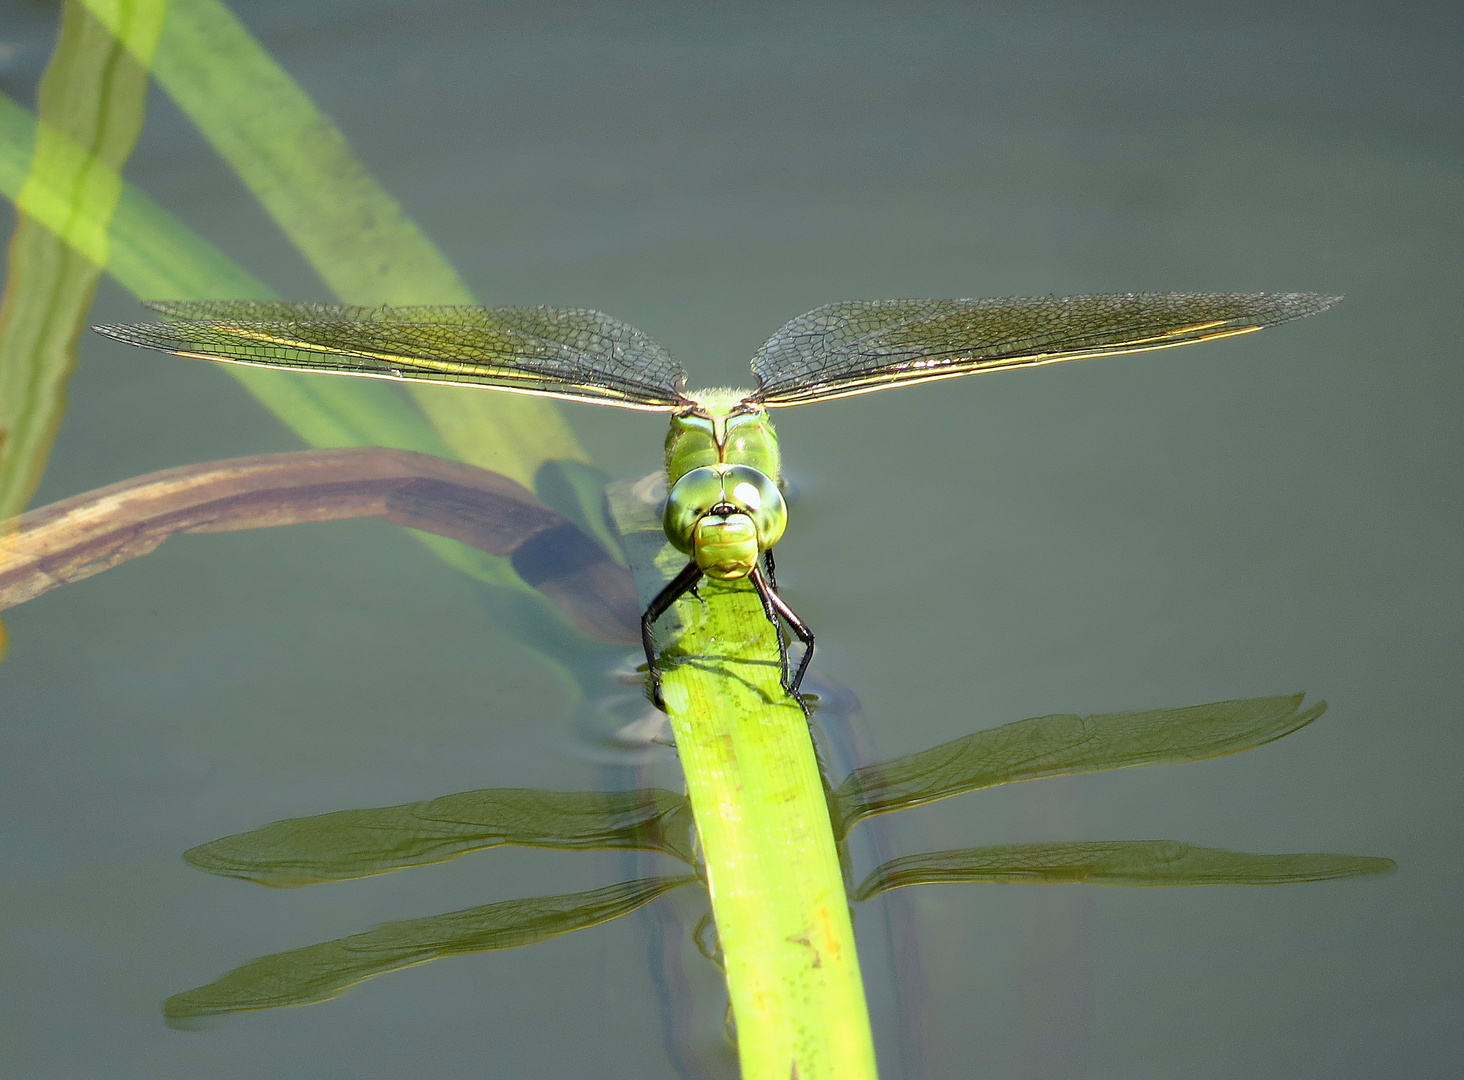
(1287, 306)
(115, 331)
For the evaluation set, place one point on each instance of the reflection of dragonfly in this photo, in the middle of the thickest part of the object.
(724, 507)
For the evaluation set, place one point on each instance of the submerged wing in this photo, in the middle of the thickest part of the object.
(859, 346)
(555, 352)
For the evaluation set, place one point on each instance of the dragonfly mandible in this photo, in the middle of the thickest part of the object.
(724, 507)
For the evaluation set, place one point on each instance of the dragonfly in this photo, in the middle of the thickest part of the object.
(725, 508)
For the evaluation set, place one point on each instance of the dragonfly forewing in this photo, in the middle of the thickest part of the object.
(569, 353)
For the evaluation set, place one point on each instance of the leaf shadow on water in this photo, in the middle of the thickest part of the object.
(359, 843)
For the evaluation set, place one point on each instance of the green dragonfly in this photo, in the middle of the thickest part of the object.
(724, 508)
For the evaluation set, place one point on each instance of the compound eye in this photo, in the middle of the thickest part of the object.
(721, 490)
(691, 499)
(757, 495)
(747, 495)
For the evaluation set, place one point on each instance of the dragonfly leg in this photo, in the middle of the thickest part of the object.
(774, 605)
(771, 574)
(682, 583)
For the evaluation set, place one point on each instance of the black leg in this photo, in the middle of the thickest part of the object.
(765, 592)
(681, 584)
(773, 604)
(771, 573)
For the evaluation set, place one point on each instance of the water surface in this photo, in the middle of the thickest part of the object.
(1250, 517)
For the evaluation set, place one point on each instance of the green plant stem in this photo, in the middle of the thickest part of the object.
(772, 868)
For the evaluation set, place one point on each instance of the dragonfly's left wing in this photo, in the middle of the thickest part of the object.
(859, 346)
(569, 353)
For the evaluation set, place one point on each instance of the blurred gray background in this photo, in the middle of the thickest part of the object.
(1256, 516)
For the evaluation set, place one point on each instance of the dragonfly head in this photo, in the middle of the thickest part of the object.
(724, 517)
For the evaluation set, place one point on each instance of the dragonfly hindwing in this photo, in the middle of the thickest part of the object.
(855, 347)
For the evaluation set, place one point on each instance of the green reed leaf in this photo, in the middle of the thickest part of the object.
(1115, 862)
(300, 167)
(93, 97)
(359, 843)
(151, 253)
(319, 972)
(1067, 743)
(294, 160)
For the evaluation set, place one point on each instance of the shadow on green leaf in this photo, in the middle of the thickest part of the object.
(91, 98)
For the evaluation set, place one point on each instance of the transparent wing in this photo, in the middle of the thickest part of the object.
(569, 353)
(859, 346)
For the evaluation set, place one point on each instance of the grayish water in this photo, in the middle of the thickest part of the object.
(1257, 516)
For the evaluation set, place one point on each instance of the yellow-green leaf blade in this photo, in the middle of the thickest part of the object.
(1067, 743)
(300, 167)
(1115, 862)
(153, 254)
(319, 972)
(294, 160)
(777, 890)
(358, 843)
(92, 97)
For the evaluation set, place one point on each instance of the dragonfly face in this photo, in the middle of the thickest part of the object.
(725, 516)
(724, 508)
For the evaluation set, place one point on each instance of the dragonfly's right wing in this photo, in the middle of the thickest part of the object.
(859, 346)
(568, 353)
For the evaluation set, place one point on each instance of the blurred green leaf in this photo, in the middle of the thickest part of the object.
(319, 972)
(152, 253)
(1115, 862)
(358, 843)
(93, 96)
(294, 160)
(1067, 743)
(300, 167)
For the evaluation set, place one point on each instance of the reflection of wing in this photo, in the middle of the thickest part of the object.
(859, 346)
(555, 352)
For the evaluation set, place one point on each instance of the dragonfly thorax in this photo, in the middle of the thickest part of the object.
(724, 516)
(720, 427)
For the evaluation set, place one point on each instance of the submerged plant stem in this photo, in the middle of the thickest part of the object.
(84, 535)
